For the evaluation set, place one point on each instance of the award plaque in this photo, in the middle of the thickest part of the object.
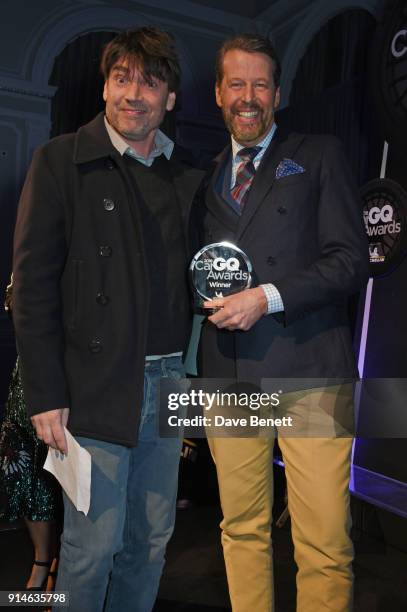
(218, 270)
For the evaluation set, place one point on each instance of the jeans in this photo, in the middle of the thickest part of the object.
(112, 559)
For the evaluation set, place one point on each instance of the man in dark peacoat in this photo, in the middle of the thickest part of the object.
(78, 223)
(101, 310)
(299, 222)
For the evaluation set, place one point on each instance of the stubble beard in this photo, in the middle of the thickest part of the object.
(138, 134)
(140, 129)
(250, 134)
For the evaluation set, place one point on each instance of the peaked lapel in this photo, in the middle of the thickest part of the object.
(214, 201)
(265, 176)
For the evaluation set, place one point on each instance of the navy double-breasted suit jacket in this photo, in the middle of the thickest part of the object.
(303, 233)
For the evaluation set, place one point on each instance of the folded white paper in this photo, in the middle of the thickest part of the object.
(73, 472)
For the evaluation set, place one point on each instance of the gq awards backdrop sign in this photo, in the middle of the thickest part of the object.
(385, 218)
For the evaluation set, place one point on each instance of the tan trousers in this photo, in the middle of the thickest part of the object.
(317, 471)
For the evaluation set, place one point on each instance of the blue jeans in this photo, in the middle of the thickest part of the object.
(112, 559)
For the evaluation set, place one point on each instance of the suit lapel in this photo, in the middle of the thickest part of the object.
(263, 181)
(214, 201)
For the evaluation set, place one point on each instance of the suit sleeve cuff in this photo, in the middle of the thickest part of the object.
(273, 297)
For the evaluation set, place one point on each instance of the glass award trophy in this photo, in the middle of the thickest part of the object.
(218, 270)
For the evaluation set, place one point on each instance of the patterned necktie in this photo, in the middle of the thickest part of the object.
(244, 175)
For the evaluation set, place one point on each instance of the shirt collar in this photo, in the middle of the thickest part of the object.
(236, 147)
(162, 145)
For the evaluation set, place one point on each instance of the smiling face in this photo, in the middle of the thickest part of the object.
(247, 95)
(136, 104)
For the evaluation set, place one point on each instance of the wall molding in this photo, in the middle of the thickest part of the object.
(24, 87)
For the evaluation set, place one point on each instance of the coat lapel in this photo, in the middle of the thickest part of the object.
(186, 183)
(263, 181)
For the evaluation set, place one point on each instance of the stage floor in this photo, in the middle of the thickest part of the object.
(194, 578)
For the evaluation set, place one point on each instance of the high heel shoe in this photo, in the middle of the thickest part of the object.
(45, 580)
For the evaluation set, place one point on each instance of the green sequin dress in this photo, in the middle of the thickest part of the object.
(27, 490)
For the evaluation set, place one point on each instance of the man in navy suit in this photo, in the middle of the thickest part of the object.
(291, 205)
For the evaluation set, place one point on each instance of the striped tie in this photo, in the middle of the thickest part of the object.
(244, 175)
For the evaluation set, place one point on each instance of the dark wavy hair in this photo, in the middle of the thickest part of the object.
(250, 43)
(150, 49)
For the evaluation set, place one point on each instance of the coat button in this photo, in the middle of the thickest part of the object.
(95, 346)
(109, 164)
(271, 260)
(102, 299)
(282, 210)
(105, 251)
(108, 204)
